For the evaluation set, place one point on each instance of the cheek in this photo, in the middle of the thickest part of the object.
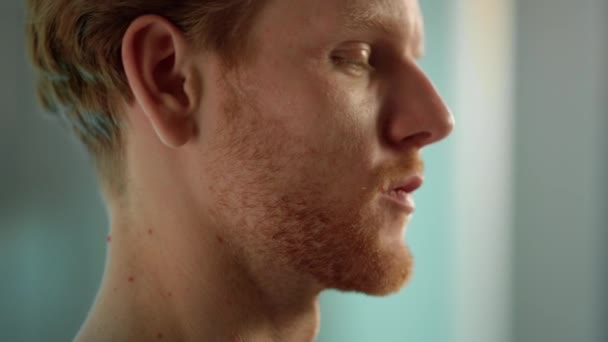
(329, 116)
(308, 101)
(347, 125)
(313, 133)
(330, 122)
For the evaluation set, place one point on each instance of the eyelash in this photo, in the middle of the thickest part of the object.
(362, 65)
(340, 61)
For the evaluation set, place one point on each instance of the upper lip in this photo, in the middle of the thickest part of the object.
(408, 184)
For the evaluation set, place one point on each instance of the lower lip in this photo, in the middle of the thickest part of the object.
(402, 200)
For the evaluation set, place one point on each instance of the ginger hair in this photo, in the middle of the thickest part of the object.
(75, 48)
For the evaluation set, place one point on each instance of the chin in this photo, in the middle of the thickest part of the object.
(387, 286)
(354, 247)
(375, 273)
(383, 284)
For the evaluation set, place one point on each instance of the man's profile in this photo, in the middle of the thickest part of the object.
(251, 153)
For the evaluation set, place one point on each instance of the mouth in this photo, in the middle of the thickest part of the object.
(407, 184)
(400, 192)
(401, 200)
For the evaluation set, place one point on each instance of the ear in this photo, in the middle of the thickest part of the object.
(162, 75)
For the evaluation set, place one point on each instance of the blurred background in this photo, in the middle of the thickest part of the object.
(511, 227)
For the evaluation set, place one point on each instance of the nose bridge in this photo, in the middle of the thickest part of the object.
(420, 115)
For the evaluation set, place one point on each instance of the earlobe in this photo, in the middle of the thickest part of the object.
(158, 66)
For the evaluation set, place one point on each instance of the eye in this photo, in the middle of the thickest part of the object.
(354, 59)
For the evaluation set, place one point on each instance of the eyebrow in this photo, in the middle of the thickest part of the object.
(357, 19)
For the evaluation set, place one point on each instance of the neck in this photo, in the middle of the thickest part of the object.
(173, 278)
(174, 273)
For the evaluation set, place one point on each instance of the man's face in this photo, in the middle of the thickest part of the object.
(295, 147)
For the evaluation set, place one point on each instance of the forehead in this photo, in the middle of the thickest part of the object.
(296, 18)
(399, 11)
(399, 18)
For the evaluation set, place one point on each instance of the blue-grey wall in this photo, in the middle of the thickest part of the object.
(52, 222)
(561, 226)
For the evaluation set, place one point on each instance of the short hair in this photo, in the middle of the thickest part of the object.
(75, 48)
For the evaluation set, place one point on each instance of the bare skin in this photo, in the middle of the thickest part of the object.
(252, 190)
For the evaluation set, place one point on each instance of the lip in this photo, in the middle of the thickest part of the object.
(401, 200)
(407, 184)
(399, 192)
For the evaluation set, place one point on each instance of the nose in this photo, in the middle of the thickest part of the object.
(417, 116)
